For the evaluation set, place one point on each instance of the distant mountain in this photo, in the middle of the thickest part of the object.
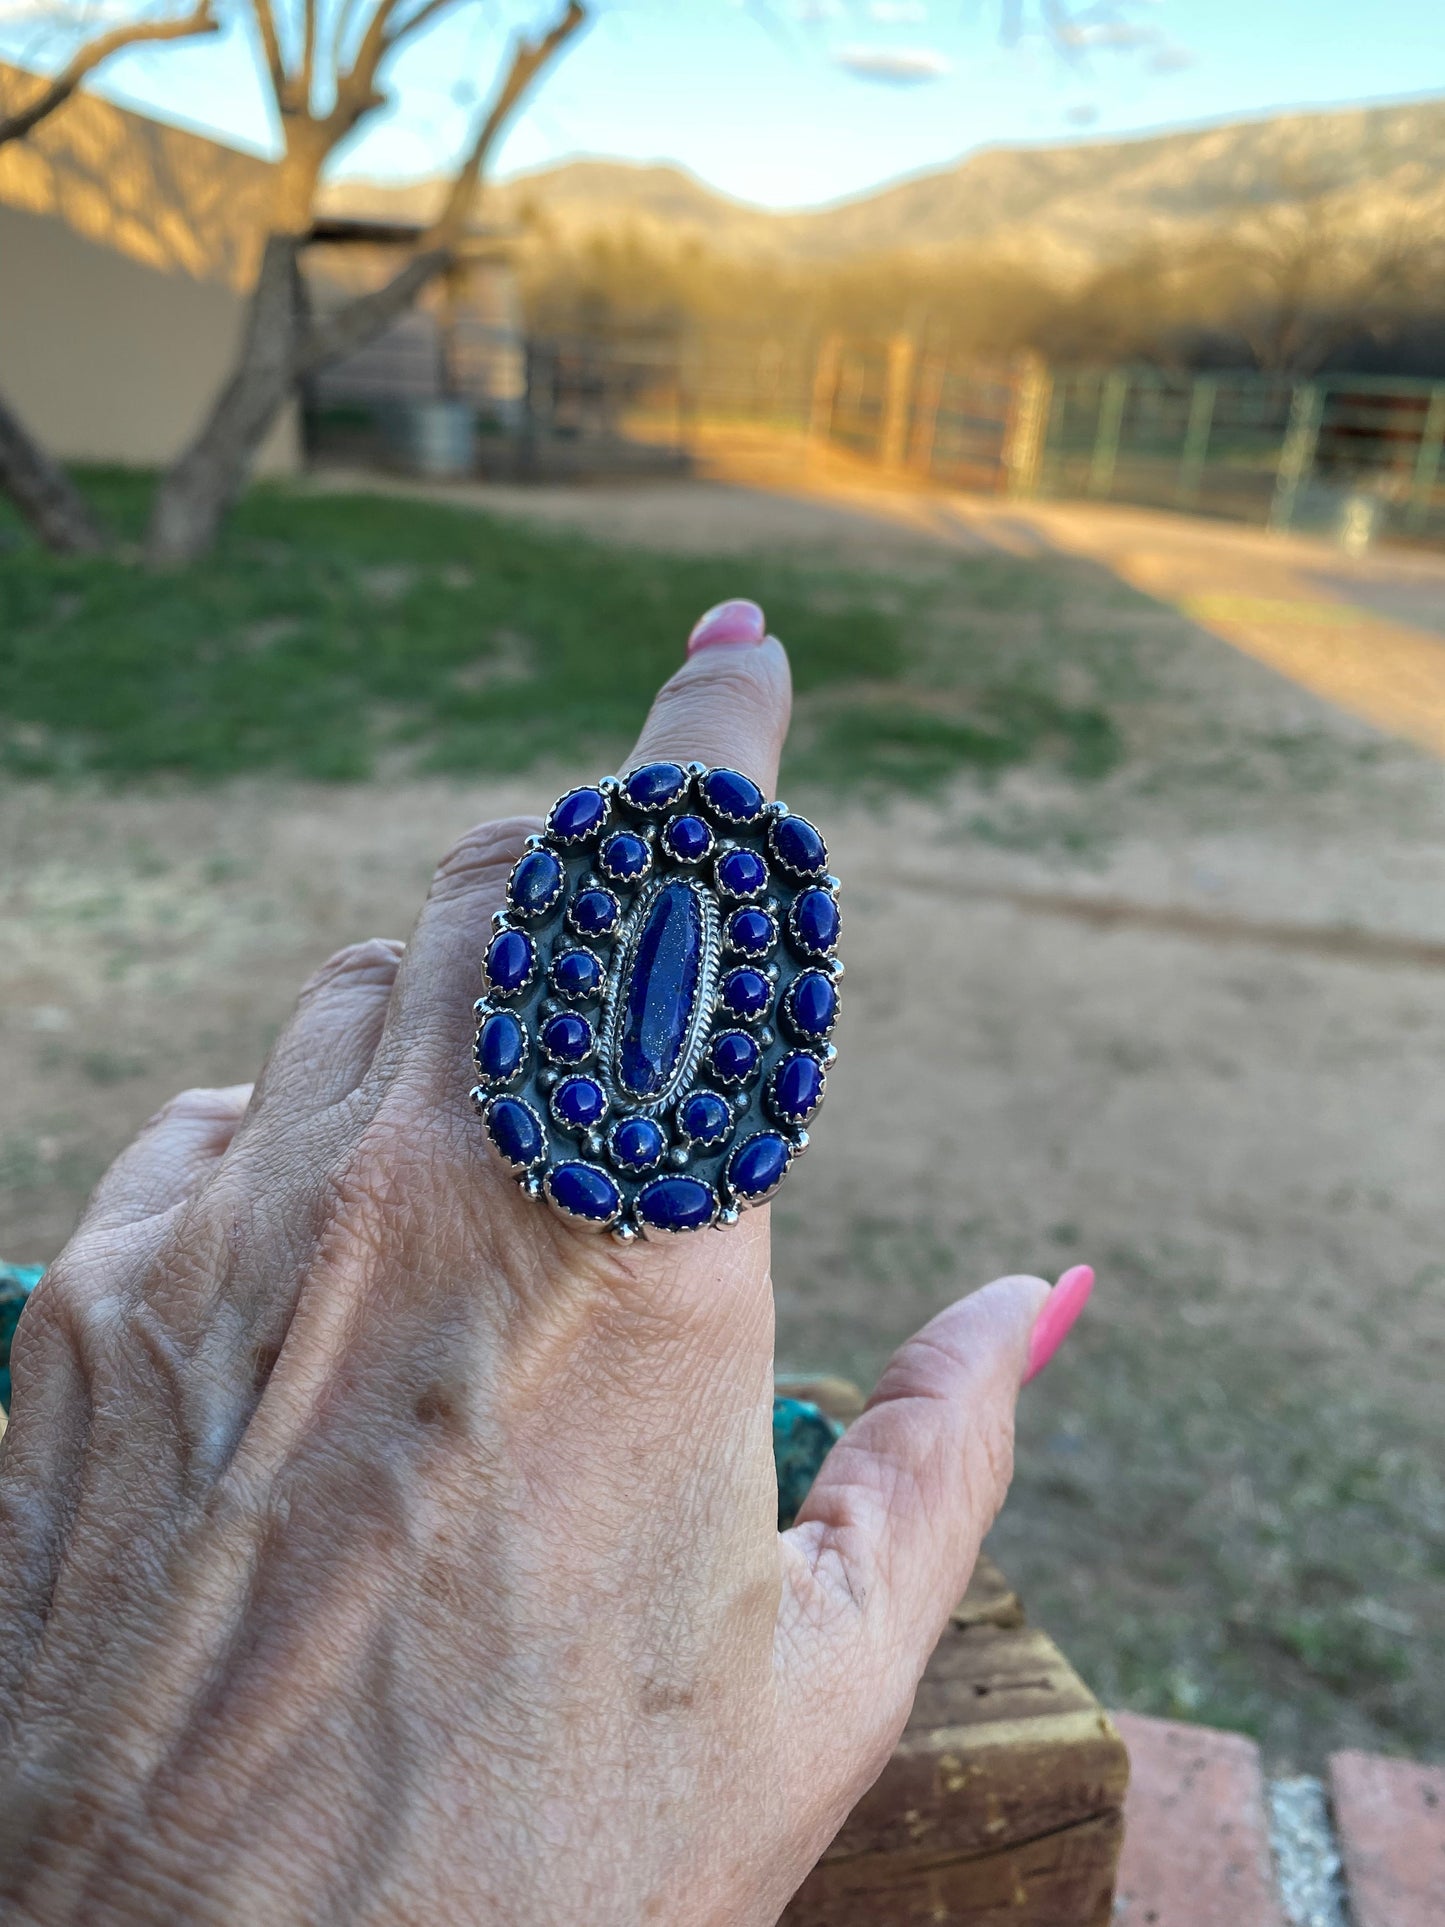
(1069, 207)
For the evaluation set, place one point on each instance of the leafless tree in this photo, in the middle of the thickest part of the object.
(39, 487)
(1307, 271)
(325, 84)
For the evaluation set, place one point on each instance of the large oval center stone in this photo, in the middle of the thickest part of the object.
(659, 992)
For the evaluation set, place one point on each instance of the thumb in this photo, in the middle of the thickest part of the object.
(884, 1546)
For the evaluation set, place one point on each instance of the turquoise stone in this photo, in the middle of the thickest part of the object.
(803, 1436)
(16, 1284)
(660, 993)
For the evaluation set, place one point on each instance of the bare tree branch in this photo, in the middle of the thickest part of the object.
(362, 320)
(271, 43)
(86, 59)
(308, 54)
(529, 57)
(423, 17)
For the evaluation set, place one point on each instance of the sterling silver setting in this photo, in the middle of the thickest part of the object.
(716, 1134)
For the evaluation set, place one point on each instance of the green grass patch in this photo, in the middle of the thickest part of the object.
(327, 632)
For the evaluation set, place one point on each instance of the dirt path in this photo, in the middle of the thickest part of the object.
(1196, 1036)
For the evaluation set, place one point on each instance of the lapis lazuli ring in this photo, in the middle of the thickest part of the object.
(661, 988)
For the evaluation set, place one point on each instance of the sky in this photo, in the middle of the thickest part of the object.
(790, 103)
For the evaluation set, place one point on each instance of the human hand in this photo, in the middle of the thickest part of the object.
(377, 1547)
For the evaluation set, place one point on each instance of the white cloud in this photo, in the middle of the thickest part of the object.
(898, 13)
(1084, 114)
(894, 66)
(1171, 59)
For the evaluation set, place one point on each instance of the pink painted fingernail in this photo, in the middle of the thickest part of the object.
(1058, 1317)
(737, 621)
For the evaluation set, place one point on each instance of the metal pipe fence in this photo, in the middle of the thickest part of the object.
(1358, 456)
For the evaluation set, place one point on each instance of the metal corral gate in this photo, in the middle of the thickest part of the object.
(1346, 452)
(1254, 447)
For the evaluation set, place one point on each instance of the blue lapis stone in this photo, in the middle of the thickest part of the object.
(735, 798)
(752, 932)
(734, 1056)
(676, 1204)
(578, 1103)
(746, 994)
(585, 1191)
(688, 838)
(637, 1143)
(798, 846)
(812, 1004)
(797, 1088)
(594, 913)
(625, 857)
(742, 873)
(576, 974)
(706, 1118)
(536, 884)
(814, 923)
(758, 1164)
(500, 1043)
(516, 1131)
(578, 816)
(511, 959)
(659, 995)
(655, 785)
(567, 1037)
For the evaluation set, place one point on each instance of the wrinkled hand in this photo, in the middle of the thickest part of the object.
(376, 1547)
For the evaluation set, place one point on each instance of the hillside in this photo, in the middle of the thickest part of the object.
(1069, 207)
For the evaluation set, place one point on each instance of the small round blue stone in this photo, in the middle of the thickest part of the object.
(536, 884)
(511, 959)
(636, 1144)
(676, 1204)
(758, 1164)
(812, 1003)
(798, 846)
(578, 1103)
(796, 1089)
(741, 873)
(500, 1043)
(584, 1191)
(746, 994)
(734, 1056)
(731, 796)
(567, 1037)
(575, 974)
(625, 857)
(706, 1118)
(752, 932)
(688, 839)
(594, 913)
(655, 785)
(578, 815)
(516, 1131)
(814, 923)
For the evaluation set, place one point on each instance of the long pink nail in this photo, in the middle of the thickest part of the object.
(737, 621)
(1058, 1317)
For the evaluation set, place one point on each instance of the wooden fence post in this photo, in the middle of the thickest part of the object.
(825, 388)
(1106, 439)
(1196, 438)
(893, 437)
(1026, 430)
(1297, 454)
(1427, 462)
(931, 378)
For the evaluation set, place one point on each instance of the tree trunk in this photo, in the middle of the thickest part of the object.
(195, 495)
(43, 492)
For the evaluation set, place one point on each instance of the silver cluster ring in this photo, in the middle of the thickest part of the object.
(661, 989)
